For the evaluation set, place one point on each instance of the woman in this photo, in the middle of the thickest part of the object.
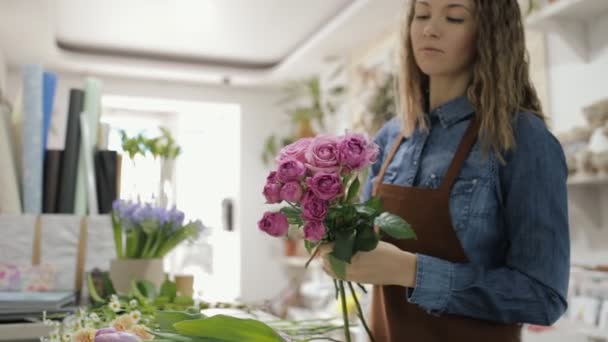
(472, 166)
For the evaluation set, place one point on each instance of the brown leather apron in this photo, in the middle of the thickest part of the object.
(427, 210)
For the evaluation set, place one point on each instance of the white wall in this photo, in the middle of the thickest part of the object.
(574, 82)
(2, 71)
(260, 255)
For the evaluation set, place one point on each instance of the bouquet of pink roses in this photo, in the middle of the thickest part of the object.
(319, 180)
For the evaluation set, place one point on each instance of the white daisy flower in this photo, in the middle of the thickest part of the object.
(136, 315)
(94, 317)
(115, 306)
(54, 336)
(133, 303)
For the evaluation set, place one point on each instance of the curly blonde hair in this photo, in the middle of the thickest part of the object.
(500, 85)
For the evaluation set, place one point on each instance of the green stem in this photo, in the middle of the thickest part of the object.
(361, 316)
(344, 311)
(312, 256)
(362, 288)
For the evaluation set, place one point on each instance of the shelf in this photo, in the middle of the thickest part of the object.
(579, 180)
(570, 19)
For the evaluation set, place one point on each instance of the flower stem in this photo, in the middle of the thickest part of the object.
(361, 316)
(312, 256)
(344, 311)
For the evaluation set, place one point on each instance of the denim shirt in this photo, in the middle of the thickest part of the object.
(511, 218)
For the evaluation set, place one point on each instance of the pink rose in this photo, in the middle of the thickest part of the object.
(295, 151)
(272, 193)
(325, 185)
(292, 192)
(272, 177)
(322, 154)
(313, 208)
(274, 224)
(291, 170)
(314, 231)
(356, 151)
(272, 189)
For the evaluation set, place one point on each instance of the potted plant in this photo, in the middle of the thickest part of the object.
(143, 235)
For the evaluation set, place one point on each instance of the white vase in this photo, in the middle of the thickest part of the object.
(124, 271)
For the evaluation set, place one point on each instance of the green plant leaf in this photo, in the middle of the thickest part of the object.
(92, 290)
(166, 319)
(310, 246)
(394, 226)
(353, 190)
(108, 286)
(294, 215)
(367, 239)
(147, 289)
(164, 336)
(338, 266)
(183, 300)
(344, 245)
(168, 289)
(228, 329)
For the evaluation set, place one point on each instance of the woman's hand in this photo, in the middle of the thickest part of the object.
(385, 265)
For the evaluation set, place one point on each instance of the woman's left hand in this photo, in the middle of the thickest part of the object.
(385, 265)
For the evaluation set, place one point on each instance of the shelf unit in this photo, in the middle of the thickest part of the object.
(572, 20)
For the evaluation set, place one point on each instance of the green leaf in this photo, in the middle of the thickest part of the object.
(92, 291)
(353, 190)
(367, 239)
(183, 300)
(338, 266)
(108, 286)
(146, 288)
(172, 337)
(168, 289)
(375, 203)
(166, 319)
(161, 301)
(294, 216)
(228, 329)
(344, 245)
(310, 246)
(394, 226)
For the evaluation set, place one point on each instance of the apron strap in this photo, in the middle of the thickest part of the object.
(388, 160)
(465, 146)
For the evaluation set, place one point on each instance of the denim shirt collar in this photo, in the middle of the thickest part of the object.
(453, 111)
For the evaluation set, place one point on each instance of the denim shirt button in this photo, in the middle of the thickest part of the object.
(433, 176)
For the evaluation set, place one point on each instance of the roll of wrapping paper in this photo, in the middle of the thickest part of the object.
(49, 85)
(10, 202)
(31, 139)
(69, 161)
(92, 104)
(89, 168)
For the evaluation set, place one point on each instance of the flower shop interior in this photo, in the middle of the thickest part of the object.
(137, 137)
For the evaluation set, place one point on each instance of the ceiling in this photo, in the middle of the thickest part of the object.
(249, 42)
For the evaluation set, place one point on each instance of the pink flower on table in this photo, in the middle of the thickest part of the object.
(325, 185)
(272, 193)
(314, 231)
(274, 223)
(111, 335)
(291, 170)
(357, 151)
(313, 208)
(291, 192)
(295, 151)
(322, 154)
